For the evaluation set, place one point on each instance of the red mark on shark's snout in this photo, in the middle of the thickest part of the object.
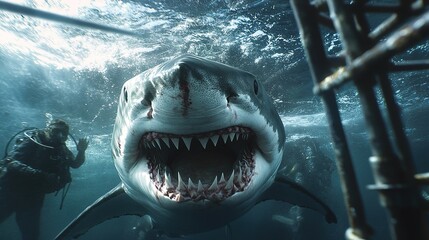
(184, 91)
(149, 113)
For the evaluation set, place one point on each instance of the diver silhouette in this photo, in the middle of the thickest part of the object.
(38, 164)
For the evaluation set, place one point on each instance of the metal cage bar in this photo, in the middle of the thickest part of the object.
(319, 66)
(365, 61)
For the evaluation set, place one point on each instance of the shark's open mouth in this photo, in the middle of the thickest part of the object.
(207, 166)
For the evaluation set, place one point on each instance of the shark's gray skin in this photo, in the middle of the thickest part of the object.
(196, 144)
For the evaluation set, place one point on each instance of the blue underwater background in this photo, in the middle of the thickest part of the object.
(55, 70)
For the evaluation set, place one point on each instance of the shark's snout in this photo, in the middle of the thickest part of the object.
(186, 93)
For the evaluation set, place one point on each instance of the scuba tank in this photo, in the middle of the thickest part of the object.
(3, 161)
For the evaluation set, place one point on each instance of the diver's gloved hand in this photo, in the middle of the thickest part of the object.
(83, 144)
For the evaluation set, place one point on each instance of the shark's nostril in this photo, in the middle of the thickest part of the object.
(150, 113)
(230, 98)
(146, 103)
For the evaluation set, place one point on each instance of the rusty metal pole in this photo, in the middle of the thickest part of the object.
(319, 65)
(383, 80)
(397, 190)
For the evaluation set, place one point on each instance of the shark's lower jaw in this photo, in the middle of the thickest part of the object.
(207, 166)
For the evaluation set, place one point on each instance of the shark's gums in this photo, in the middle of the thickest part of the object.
(196, 143)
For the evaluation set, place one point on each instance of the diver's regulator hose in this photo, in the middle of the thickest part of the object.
(26, 130)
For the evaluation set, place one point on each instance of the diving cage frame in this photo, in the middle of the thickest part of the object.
(365, 61)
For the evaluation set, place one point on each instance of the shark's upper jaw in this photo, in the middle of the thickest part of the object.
(205, 166)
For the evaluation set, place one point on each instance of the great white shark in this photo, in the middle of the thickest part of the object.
(196, 144)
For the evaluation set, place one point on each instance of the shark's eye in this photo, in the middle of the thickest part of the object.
(255, 87)
(125, 94)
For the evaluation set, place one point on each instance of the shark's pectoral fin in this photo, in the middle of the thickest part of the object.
(113, 204)
(287, 191)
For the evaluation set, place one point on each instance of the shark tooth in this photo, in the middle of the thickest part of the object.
(213, 187)
(180, 184)
(175, 142)
(204, 141)
(166, 141)
(240, 175)
(192, 188)
(200, 188)
(191, 185)
(222, 179)
(187, 142)
(214, 139)
(157, 142)
(237, 136)
(225, 137)
(168, 183)
(230, 182)
(232, 136)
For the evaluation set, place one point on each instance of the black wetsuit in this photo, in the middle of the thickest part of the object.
(32, 171)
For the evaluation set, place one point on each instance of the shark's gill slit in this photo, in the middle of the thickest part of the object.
(207, 166)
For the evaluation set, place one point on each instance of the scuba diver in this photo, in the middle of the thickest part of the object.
(38, 164)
